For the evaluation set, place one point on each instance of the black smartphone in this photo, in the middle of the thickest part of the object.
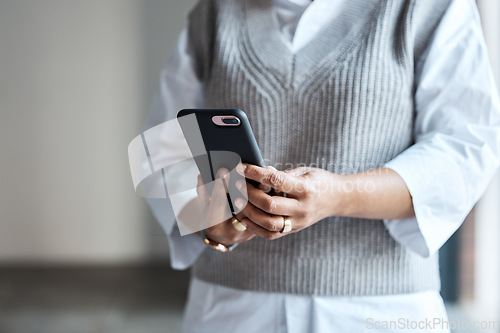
(219, 138)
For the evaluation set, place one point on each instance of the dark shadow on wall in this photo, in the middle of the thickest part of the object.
(457, 263)
(449, 269)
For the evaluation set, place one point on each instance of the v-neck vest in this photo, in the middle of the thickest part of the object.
(344, 102)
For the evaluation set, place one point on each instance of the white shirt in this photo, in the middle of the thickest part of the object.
(456, 153)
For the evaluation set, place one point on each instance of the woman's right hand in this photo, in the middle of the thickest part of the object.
(216, 209)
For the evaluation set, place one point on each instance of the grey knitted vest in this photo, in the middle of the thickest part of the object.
(343, 103)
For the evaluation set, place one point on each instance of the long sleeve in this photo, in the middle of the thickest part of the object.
(180, 88)
(457, 132)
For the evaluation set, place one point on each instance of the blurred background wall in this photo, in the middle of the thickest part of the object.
(76, 78)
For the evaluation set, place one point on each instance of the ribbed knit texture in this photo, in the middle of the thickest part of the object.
(344, 103)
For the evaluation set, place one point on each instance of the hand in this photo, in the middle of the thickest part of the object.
(216, 211)
(311, 195)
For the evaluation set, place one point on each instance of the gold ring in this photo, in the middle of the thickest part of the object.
(287, 225)
(237, 224)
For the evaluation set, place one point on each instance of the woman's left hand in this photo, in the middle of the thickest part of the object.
(312, 194)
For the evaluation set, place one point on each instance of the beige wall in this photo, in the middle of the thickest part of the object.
(75, 81)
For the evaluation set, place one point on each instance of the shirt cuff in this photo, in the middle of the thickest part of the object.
(184, 250)
(407, 233)
(438, 201)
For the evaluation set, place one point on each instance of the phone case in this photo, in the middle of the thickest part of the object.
(219, 140)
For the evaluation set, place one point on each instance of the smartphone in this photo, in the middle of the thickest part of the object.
(219, 138)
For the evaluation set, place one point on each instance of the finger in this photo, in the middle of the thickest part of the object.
(220, 186)
(243, 236)
(270, 167)
(202, 191)
(242, 196)
(241, 185)
(219, 207)
(240, 216)
(275, 205)
(264, 188)
(266, 221)
(298, 171)
(259, 231)
(227, 233)
(222, 173)
(219, 191)
(278, 180)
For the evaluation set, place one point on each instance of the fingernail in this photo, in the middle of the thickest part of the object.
(240, 203)
(241, 168)
(244, 222)
(239, 184)
(222, 172)
(264, 188)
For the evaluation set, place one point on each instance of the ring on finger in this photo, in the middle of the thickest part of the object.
(287, 225)
(237, 224)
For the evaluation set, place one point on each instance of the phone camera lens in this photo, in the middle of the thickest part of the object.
(230, 121)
